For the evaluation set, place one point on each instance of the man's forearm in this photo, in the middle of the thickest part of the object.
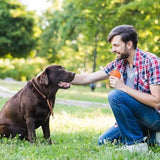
(145, 98)
(82, 79)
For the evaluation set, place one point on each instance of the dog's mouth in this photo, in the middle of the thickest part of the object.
(64, 85)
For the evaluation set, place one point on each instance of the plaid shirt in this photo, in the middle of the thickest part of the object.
(146, 68)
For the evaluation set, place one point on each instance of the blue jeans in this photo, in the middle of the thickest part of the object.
(135, 120)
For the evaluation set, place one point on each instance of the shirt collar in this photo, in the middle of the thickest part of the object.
(135, 61)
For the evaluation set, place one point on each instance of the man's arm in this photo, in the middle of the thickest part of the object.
(152, 99)
(82, 79)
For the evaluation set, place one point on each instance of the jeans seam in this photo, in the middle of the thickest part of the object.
(130, 133)
(155, 123)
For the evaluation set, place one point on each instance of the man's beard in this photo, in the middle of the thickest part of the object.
(124, 55)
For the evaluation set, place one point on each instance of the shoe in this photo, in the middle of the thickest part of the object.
(158, 138)
(139, 147)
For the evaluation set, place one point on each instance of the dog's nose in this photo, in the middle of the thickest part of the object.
(73, 73)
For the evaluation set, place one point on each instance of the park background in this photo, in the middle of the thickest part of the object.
(71, 33)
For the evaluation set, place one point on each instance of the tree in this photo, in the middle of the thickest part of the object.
(81, 27)
(18, 28)
(77, 26)
(145, 16)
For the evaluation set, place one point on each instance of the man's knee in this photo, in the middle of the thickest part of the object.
(117, 97)
(114, 95)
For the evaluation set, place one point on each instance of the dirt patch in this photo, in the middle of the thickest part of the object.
(6, 93)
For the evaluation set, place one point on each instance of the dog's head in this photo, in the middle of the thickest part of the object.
(55, 75)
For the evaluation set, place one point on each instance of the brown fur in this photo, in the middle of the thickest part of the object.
(28, 109)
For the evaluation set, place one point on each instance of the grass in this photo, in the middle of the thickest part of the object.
(75, 92)
(12, 85)
(75, 131)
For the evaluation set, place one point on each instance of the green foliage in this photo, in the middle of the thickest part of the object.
(79, 32)
(18, 33)
(79, 29)
(74, 33)
(144, 15)
(21, 69)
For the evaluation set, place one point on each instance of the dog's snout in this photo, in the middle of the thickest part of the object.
(73, 73)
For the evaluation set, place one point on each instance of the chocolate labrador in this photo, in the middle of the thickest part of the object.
(32, 106)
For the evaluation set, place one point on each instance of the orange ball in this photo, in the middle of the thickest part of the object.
(115, 73)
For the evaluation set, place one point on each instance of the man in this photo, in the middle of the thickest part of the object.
(136, 98)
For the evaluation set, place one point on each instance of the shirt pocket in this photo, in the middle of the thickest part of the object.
(144, 84)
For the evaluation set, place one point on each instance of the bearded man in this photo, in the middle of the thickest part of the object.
(135, 100)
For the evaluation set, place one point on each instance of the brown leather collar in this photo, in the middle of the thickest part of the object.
(49, 101)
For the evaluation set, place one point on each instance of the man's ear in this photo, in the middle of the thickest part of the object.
(43, 78)
(129, 44)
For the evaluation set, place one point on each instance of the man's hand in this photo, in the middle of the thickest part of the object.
(152, 99)
(116, 82)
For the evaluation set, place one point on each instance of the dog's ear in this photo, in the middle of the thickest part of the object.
(43, 78)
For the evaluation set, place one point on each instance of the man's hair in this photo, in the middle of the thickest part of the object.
(127, 33)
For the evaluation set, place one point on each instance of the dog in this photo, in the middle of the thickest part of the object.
(32, 106)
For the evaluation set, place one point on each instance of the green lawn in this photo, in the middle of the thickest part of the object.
(75, 92)
(75, 131)
(84, 93)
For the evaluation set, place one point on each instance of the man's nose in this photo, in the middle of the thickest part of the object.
(113, 49)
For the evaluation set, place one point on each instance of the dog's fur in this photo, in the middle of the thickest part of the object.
(32, 106)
